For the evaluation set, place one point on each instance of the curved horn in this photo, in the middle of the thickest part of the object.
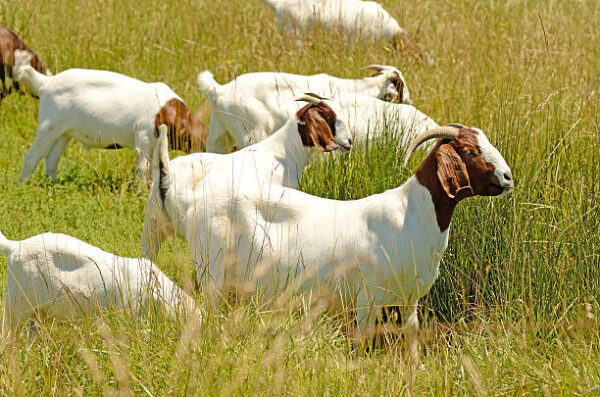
(439, 132)
(456, 125)
(311, 98)
(377, 68)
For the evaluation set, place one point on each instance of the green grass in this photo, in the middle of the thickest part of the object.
(514, 310)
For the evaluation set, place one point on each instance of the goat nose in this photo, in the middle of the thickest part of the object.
(508, 176)
(350, 141)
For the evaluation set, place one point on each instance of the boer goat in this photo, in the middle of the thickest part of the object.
(9, 42)
(354, 18)
(279, 159)
(370, 254)
(103, 110)
(67, 278)
(254, 105)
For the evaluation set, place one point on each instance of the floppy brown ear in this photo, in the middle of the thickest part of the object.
(452, 173)
(314, 130)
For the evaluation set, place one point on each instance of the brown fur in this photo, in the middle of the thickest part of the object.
(316, 125)
(455, 170)
(185, 132)
(9, 42)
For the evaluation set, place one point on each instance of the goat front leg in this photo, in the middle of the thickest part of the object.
(410, 331)
(143, 151)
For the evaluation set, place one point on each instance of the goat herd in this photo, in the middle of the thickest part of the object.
(240, 212)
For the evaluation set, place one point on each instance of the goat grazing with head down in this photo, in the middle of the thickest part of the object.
(278, 160)
(66, 278)
(9, 43)
(378, 252)
(254, 105)
(104, 110)
(354, 18)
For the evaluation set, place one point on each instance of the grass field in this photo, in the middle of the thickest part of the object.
(515, 310)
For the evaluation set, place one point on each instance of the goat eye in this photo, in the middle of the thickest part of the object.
(469, 153)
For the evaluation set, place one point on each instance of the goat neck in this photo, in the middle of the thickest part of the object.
(287, 148)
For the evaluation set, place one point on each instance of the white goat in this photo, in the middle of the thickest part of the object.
(254, 105)
(279, 159)
(67, 278)
(354, 18)
(102, 109)
(375, 253)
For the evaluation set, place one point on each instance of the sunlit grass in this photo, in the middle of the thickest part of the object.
(514, 310)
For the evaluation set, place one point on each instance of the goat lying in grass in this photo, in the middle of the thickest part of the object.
(254, 105)
(103, 110)
(67, 278)
(371, 254)
(279, 160)
(9, 42)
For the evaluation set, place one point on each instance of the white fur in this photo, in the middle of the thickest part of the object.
(67, 278)
(365, 19)
(382, 250)
(254, 105)
(493, 156)
(278, 160)
(98, 108)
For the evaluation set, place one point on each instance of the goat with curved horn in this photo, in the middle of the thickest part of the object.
(449, 131)
(377, 68)
(311, 98)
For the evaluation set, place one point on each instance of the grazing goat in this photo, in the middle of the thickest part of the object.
(354, 18)
(9, 42)
(279, 159)
(104, 110)
(67, 278)
(254, 105)
(374, 253)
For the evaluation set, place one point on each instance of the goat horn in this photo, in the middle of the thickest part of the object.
(377, 68)
(456, 125)
(439, 132)
(311, 98)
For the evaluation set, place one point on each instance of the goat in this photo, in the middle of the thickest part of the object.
(254, 105)
(67, 278)
(377, 252)
(279, 159)
(9, 42)
(104, 110)
(354, 18)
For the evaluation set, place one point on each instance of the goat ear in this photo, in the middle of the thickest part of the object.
(314, 130)
(452, 173)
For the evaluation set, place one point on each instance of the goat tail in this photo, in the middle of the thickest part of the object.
(6, 246)
(24, 72)
(208, 85)
(161, 176)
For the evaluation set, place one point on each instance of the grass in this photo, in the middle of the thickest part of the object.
(515, 308)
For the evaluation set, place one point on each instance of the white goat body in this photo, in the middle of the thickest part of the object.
(365, 19)
(254, 105)
(100, 109)
(278, 160)
(67, 278)
(380, 251)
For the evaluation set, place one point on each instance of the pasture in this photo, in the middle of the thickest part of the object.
(515, 310)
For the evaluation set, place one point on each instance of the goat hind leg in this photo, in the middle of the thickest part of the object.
(53, 157)
(41, 146)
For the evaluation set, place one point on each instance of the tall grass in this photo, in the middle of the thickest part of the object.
(514, 310)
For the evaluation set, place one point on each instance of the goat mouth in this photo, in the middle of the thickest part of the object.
(344, 147)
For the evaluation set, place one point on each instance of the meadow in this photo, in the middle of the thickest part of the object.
(515, 310)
